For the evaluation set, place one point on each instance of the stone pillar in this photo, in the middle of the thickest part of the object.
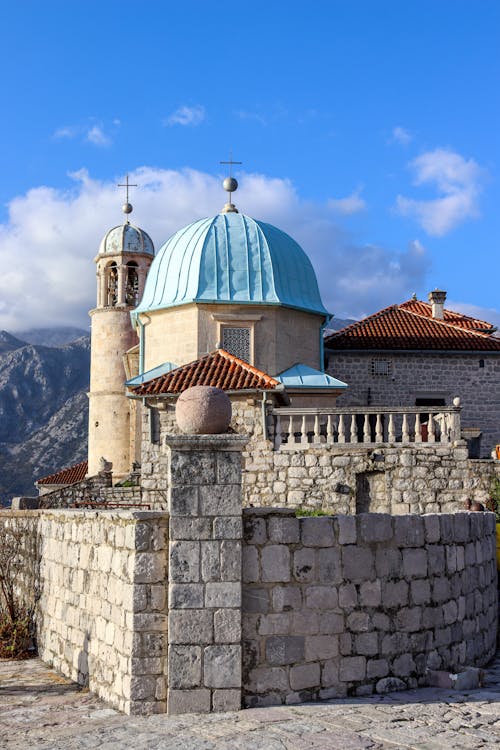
(204, 580)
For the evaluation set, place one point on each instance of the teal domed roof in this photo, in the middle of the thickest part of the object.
(231, 258)
(126, 238)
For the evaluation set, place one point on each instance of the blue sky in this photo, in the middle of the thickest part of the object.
(368, 130)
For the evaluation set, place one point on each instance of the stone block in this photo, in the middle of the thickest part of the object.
(395, 594)
(250, 564)
(255, 600)
(352, 668)
(263, 679)
(317, 532)
(420, 591)
(192, 467)
(283, 530)
(451, 559)
(304, 623)
(226, 700)
(389, 685)
(143, 537)
(409, 619)
(319, 647)
(366, 644)
(304, 564)
(186, 595)
(359, 622)
(146, 665)
(375, 527)
(184, 666)
(275, 561)
(227, 626)
(275, 624)
(142, 687)
(370, 594)
(377, 668)
(440, 590)
(254, 530)
(228, 527)
(304, 676)
(229, 467)
(284, 649)
(357, 564)
(184, 562)
(403, 665)
(347, 529)
(223, 594)
(388, 563)
(330, 673)
(182, 527)
(329, 567)
(150, 567)
(222, 666)
(190, 626)
(220, 500)
(348, 596)
(409, 531)
(188, 701)
(286, 598)
(183, 501)
(415, 563)
(210, 561)
(435, 559)
(450, 612)
(230, 560)
(321, 597)
(432, 528)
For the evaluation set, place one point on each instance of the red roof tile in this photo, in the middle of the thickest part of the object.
(397, 327)
(450, 316)
(71, 475)
(219, 369)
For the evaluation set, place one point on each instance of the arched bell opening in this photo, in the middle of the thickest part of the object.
(111, 285)
(132, 284)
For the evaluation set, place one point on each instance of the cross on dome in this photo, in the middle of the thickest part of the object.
(230, 185)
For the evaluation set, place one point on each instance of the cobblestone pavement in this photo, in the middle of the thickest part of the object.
(41, 710)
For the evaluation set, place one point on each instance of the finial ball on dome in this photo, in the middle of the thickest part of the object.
(127, 208)
(230, 184)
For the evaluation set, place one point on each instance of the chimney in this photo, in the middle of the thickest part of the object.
(437, 299)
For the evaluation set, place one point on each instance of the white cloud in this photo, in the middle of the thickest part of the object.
(459, 182)
(402, 136)
(351, 204)
(253, 116)
(186, 116)
(97, 136)
(66, 132)
(489, 314)
(48, 244)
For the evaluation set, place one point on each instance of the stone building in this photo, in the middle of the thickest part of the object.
(420, 354)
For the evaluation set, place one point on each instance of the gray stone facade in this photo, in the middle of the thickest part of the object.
(474, 377)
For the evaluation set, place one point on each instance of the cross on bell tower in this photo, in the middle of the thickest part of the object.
(127, 207)
(230, 184)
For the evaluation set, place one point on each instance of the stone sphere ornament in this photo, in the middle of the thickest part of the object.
(203, 410)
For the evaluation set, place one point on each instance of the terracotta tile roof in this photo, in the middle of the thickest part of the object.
(70, 475)
(397, 327)
(219, 369)
(450, 316)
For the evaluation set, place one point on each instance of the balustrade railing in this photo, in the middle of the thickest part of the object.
(295, 427)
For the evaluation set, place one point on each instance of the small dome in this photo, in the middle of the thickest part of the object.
(231, 258)
(126, 238)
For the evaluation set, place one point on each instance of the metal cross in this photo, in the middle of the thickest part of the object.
(230, 162)
(127, 185)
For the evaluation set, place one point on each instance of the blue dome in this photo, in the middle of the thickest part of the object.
(231, 259)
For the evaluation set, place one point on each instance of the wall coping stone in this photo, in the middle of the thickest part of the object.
(223, 441)
(270, 511)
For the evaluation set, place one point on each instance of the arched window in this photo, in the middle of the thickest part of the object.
(111, 281)
(132, 285)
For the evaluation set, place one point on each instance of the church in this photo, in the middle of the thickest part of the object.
(230, 291)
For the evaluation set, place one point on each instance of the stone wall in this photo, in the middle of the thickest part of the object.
(416, 375)
(102, 609)
(341, 479)
(336, 605)
(98, 489)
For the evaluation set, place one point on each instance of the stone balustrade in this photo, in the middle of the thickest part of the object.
(292, 428)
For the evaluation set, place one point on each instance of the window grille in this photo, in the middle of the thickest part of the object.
(381, 367)
(237, 341)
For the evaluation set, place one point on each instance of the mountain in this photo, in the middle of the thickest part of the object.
(52, 336)
(336, 324)
(43, 410)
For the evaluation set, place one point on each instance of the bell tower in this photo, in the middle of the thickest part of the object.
(124, 257)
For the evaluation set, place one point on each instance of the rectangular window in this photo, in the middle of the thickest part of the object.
(381, 367)
(237, 341)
